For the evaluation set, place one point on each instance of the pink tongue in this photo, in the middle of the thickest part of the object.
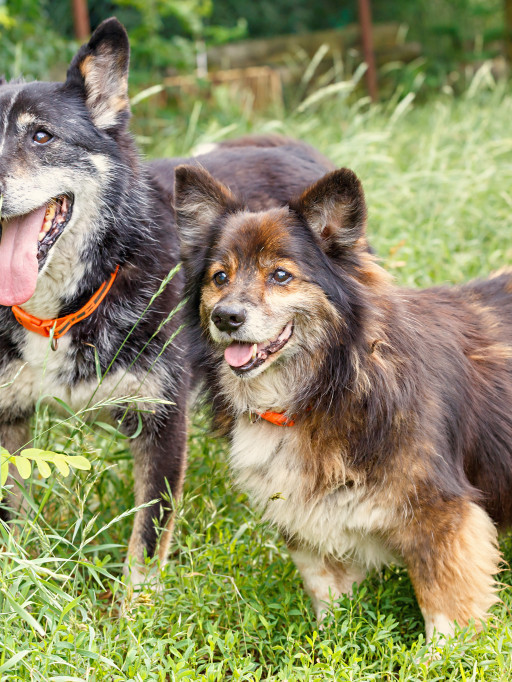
(18, 257)
(238, 354)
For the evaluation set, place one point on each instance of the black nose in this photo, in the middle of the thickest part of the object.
(228, 318)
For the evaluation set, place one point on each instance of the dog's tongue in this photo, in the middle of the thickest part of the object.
(238, 354)
(18, 257)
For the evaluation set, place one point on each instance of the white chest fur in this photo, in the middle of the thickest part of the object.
(43, 375)
(342, 523)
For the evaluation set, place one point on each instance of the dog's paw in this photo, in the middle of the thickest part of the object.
(141, 581)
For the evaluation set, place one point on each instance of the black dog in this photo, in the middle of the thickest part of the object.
(87, 237)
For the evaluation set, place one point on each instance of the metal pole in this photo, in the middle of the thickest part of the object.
(365, 21)
(81, 19)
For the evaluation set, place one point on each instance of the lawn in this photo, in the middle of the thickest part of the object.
(438, 180)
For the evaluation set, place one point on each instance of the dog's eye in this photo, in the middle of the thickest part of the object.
(220, 278)
(42, 137)
(281, 276)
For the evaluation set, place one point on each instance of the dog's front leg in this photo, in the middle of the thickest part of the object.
(13, 436)
(159, 467)
(452, 555)
(325, 579)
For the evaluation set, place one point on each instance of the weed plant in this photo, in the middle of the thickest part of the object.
(438, 179)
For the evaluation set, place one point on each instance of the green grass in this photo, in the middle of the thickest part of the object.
(438, 179)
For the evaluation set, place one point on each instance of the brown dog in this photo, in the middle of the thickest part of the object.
(370, 423)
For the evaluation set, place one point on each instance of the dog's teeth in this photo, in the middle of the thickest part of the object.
(42, 235)
(254, 350)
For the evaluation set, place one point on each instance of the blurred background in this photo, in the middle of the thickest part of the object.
(420, 45)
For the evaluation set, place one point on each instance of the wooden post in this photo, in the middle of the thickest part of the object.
(81, 20)
(365, 21)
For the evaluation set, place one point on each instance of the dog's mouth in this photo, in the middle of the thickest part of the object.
(24, 246)
(56, 217)
(244, 357)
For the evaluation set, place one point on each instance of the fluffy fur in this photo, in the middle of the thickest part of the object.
(401, 448)
(71, 139)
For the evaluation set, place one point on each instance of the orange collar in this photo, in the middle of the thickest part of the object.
(61, 325)
(277, 418)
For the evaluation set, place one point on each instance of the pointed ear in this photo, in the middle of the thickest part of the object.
(335, 209)
(199, 201)
(100, 69)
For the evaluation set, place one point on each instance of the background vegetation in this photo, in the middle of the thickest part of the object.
(38, 34)
(437, 172)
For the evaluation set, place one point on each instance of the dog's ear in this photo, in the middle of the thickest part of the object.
(335, 209)
(100, 70)
(199, 200)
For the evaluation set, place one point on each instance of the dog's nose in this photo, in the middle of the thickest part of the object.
(228, 318)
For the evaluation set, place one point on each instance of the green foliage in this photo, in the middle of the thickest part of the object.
(269, 18)
(31, 42)
(37, 35)
(170, 33)
(445, 24)
(151, 49)
(23, 463)
(452, 34)
(190, 13)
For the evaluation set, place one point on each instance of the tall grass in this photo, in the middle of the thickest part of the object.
(438, 180)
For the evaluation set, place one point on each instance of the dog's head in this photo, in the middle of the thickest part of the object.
(273, 285)
(59, 143)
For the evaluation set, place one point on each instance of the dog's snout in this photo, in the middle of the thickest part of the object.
(228, 318)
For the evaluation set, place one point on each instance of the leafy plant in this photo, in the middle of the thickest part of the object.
(174, 33)
(32, 44)
(41, 458)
